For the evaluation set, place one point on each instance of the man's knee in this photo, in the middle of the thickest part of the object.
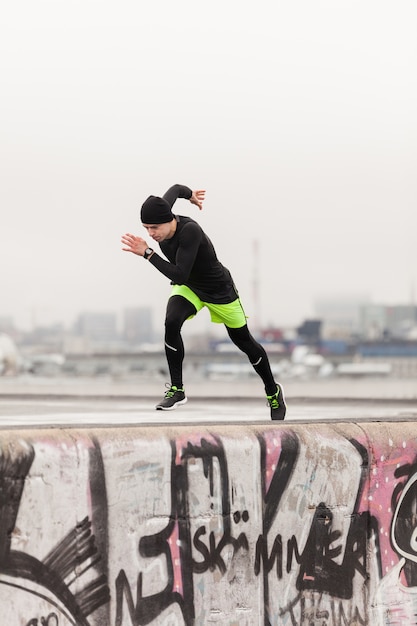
(178, 310)
(173, 323)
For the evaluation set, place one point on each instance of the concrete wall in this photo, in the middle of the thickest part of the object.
(288, 524)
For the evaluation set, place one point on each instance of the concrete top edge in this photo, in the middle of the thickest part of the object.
(312, 400)
(210, 426)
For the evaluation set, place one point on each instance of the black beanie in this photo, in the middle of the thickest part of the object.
(156, 210)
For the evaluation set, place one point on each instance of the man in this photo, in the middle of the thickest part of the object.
(199, 280)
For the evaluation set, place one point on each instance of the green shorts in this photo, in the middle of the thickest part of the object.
(231, 314)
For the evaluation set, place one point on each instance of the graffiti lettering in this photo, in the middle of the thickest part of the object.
(51, 620)
(146, 609)
(307, 609)
(212, 555)
(318, 570)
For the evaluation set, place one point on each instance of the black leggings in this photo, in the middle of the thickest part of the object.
(178, 310)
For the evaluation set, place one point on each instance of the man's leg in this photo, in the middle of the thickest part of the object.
(178, 310)
(258, 358)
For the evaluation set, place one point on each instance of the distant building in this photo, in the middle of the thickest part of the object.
(347, 317)
(45, 337)
(310, 332)
(99, 327)
(341, 316)
(373, 321)
(137, 326)
(379, 321)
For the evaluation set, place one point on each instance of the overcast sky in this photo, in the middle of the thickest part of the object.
(298, 117)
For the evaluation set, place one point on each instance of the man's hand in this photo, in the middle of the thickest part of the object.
(134, 244)
(198, 197)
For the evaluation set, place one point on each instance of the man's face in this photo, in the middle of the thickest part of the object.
(160, 232)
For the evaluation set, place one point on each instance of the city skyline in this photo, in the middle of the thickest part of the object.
(30, 318)
(338, 317)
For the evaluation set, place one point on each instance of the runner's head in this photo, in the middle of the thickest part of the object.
(156, 210)
(158, 219)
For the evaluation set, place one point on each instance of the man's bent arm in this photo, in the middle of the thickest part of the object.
(175, 192)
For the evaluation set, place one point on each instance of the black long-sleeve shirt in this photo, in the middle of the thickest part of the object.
(192, 259)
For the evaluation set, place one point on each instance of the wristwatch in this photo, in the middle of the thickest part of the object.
(147, 253)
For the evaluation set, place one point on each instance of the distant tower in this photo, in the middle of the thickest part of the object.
(256, 325)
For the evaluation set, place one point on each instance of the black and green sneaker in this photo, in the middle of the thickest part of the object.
(277, 404)
(172, 399)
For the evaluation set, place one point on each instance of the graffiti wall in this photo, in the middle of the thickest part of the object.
(295, 525)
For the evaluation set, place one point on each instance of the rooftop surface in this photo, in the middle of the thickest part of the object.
(28, 401)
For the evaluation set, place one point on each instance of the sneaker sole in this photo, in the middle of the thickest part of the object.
(170, 408)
